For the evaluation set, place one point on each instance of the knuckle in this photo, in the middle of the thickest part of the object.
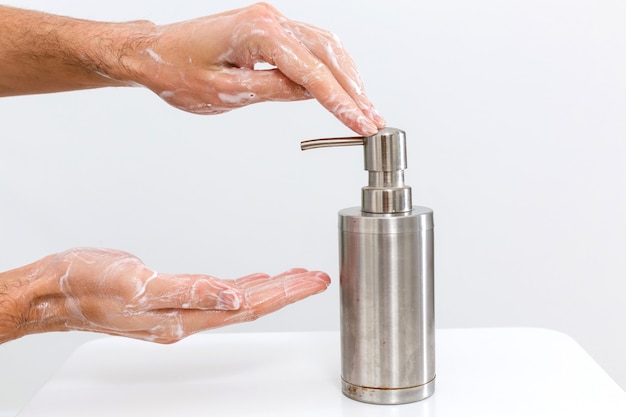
(166, 340)
(263, 8)
(249, 316)
(173, 339)
(316, 79)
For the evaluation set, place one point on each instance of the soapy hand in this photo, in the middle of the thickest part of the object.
(113, 292)
(207, 65)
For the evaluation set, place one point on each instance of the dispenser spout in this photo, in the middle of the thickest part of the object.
(305, 145)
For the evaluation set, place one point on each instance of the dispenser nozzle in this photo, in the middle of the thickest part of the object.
(385, 160)
(331, 142)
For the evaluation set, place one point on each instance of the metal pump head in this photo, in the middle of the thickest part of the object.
(385, 161)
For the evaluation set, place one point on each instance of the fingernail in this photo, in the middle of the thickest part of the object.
(322, 276)
(228, 300)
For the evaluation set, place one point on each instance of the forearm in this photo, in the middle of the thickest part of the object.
(13, 302)
(27, 296)
(42, 53)
(9, 309)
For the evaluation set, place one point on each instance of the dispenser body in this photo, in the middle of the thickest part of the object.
(387, 305)
(387, 280)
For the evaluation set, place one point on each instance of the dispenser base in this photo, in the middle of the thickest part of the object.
(389, 396)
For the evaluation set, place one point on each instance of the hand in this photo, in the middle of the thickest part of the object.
(207, 65)
(113, 292)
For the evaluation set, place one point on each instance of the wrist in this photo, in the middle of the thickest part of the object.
(29, 301)
(13, 302)
(118, 50)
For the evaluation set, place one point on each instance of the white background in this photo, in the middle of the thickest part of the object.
(515, 116)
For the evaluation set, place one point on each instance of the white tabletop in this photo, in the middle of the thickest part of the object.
(480, 372)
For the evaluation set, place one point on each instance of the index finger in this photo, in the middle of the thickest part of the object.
(281, 47)
(269, 295)
(327, 47)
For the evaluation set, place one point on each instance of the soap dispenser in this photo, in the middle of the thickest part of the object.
(386, 280)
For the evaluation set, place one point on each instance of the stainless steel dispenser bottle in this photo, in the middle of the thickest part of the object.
(386, 279)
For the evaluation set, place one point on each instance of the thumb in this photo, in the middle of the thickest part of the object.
(243, 86)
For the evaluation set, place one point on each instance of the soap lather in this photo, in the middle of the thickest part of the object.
(386, 279)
